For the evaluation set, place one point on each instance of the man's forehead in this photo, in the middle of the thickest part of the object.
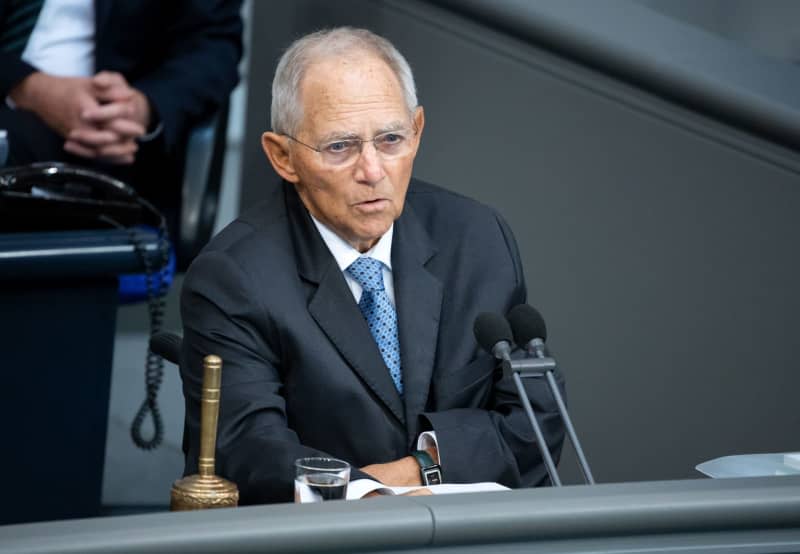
(333, 76)
(340, 63)
(343, 88)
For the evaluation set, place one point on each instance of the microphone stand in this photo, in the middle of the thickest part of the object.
(543, 366)
(526, 403)
(502, 352)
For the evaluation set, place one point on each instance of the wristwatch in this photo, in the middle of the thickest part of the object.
(429, 471)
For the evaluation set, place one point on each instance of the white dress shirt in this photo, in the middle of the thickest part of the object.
(62, 41)
(344, 254)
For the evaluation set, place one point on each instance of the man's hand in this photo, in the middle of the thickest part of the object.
(400, 473)
(101, 117)
(111, 87)
(111, 128)
(416, 492)
(58, 101)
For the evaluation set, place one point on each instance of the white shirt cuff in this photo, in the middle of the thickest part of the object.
(427, 439)
(362, 487)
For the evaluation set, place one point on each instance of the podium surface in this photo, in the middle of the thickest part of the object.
(745, 515)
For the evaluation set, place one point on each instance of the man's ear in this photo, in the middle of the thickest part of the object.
(276, 147)
(419, 125)
(419, 120)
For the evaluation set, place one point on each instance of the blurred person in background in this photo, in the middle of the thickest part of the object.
(115, 85)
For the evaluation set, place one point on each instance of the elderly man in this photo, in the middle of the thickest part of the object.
(342, 306)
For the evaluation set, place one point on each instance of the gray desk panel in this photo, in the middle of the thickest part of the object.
(745, 515)
(617, 509)
(343, 526)
(738, 542)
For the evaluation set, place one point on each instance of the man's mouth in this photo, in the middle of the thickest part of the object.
(375, 204)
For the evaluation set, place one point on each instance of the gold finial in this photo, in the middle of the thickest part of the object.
(206, 490)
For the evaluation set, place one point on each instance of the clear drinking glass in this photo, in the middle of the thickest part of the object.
(318, 479)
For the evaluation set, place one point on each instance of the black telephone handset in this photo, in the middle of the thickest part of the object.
(50, 196)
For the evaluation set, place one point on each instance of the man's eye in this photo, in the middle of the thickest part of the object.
(391, 138)
(339, 146)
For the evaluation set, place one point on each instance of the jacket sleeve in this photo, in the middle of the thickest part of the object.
(14, 70)
(199, 68)
(256, 447)
(490, 438)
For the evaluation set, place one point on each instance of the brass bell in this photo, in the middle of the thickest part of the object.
(206, 490)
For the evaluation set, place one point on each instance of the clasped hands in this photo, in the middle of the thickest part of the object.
(100, 117)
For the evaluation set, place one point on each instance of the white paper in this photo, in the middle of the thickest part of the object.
(792, 460)
(448, 488)
(361, 487)
(750, 465)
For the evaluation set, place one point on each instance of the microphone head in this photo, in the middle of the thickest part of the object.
(490, 329)
(526, 324)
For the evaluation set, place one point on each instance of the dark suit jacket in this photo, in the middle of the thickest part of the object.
(182, 54)
(302, 376)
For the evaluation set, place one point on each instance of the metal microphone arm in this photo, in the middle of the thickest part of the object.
(545, 367)
(545, 451)
(502, 352)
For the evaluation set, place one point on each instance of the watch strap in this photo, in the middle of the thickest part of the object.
(430, 471)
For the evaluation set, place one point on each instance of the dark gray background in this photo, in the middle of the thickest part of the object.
(658, 243)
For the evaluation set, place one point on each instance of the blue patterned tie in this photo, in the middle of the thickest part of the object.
(379, 313)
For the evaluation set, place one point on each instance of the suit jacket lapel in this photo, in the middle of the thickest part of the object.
(333, 308)
(418, 295)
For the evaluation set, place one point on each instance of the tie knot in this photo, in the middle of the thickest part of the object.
(368, 272)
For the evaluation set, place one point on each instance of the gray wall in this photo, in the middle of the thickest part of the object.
(659, 244)
(769, 27)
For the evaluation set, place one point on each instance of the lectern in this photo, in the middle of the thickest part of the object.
(58, 305)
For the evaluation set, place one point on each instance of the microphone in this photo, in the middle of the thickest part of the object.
(529, 329)
(530, 332)
(494, 334)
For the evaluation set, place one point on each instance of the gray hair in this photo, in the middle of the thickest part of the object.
(287, 109)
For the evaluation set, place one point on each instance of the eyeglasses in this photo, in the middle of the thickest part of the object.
(342, 152)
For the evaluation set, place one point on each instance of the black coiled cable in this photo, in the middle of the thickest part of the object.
(154, 364)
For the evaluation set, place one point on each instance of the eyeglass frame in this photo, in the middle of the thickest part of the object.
(320, 151)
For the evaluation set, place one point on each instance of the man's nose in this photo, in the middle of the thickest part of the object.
(370, 164)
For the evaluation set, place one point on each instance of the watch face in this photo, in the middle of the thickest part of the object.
(433, 475)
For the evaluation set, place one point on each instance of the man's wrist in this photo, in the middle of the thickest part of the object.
(151, 120)
(25, 92)
(143, 111)
(429, 469)
(403, 472)
(152, 134)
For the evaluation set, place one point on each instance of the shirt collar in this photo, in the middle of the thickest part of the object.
(344, 253)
